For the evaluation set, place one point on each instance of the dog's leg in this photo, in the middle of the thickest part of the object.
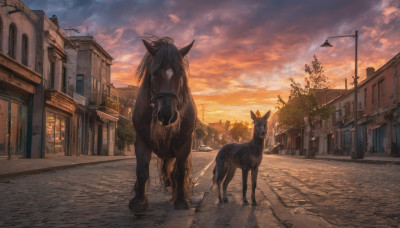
(228, 178)
(245, 172)
(254, 173)
(221, 172)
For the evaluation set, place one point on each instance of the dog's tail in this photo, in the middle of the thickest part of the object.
(214, 179)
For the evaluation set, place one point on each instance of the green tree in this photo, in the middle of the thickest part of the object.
(305, 101)
(240, 131)
(199, 133)
(125, 135)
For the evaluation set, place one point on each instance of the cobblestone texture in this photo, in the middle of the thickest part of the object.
(88, 196)
(345, 194)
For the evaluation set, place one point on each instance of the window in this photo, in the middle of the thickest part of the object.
(56, 133)
(374, 93)
(24, 50)
(52, 74)
(365, 97)
(12, 41)
(1, 34)
(381, 92)
(80, 89)
(63, 80)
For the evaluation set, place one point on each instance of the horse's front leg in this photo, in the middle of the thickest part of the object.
(181, 174)
(139, 203)
(254, 173)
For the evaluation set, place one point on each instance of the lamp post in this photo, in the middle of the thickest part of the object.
(358, 153)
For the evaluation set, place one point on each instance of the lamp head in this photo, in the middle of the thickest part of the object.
(326, 44)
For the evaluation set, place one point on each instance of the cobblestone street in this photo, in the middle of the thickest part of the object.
(291, 192)
(88, 196)
(343, 193)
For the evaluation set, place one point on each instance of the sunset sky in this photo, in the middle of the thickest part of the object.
(245, 51)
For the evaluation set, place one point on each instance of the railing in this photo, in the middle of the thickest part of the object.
(80, 99)
(110, 104)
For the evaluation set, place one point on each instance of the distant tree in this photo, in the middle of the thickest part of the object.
(239, 131)
(199, 133)
(211, 134)
(305, 101)
(125, 135)
(227, 125)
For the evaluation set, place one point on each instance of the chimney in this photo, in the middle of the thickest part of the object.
(345, 83)
(370, 71)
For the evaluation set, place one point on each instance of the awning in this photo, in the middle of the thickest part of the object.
(106, 117)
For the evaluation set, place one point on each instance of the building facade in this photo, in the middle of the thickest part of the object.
(19, 79)
(56, 96)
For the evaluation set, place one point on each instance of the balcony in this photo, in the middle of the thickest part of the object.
(110, 105)
(79, 99)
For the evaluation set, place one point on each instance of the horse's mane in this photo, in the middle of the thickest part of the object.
(167, 56)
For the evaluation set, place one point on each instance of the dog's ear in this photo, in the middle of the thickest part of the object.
(265, 117)
(253, 116)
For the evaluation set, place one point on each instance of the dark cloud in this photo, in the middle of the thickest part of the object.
(254, 40)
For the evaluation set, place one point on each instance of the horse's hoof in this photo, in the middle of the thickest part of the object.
(254, 203)
(221, 201)
(245, 201)
(181, 205)
(225, 199)
(139, 206)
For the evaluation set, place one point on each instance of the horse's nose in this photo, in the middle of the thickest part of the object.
(167, 119)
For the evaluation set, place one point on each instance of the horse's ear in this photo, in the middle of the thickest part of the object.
(266, 115)
(186, 49)
(253, 116)
(149, 47)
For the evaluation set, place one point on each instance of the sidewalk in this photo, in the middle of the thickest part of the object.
(21, 167)
(367, 159)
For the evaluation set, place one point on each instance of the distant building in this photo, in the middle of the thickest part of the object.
(93, 82)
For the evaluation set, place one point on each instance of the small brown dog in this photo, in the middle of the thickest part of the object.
(246, 156)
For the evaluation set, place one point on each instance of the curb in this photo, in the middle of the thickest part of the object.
(48, 169)
(362, 161)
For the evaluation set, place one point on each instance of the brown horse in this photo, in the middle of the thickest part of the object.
(164, 119)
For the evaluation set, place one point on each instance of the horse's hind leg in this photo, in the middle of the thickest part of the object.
(139, 203)
(228, 178)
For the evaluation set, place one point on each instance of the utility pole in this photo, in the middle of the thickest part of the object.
(202, 109)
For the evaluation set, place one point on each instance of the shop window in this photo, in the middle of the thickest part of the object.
(13, 124)
(24, 50)
(12, 41)
(3, 127)
(55, 133)
(18, 129)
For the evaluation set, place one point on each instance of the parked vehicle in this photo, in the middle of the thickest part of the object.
(205, 148)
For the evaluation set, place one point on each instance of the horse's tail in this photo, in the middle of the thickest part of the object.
(165, 167)
(214, 178)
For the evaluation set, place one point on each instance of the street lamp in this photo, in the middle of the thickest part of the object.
(358, 153)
